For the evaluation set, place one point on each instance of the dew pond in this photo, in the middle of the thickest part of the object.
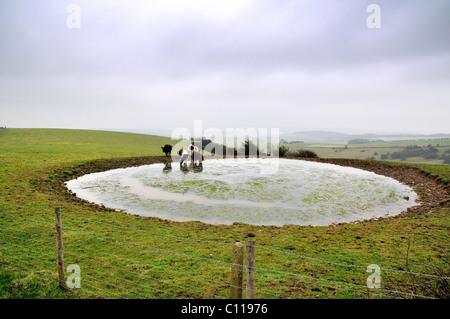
(245, 190)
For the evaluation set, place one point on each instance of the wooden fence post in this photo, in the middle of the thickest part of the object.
(59, 246)
(237, 271)
(250, 287)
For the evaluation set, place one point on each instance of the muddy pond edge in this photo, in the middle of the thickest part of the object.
(433, 193)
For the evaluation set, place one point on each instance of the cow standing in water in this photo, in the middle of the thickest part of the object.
(184, 156)
(167, 149)
(196, 155)
(193, 153)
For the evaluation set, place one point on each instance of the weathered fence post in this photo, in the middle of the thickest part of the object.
(237, 271)
(250, 287)
(59, 246)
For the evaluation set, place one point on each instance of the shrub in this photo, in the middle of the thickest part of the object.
(431, 156)
(447, 160)
(303, 154)
(415, 151)
(283, 151)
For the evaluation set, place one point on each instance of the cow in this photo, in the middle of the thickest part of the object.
(197, 156)
(192, 148)
(184, 156)
(167, 167)
(167, 149)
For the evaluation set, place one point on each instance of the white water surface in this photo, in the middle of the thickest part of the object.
(240, 190)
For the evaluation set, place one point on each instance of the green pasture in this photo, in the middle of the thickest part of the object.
(122, 255)
(376, 150)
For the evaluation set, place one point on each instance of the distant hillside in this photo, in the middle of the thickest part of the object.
(335, 137)
(311, 136)
(154, 132)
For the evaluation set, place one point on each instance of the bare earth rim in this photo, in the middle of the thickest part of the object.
(433, 194)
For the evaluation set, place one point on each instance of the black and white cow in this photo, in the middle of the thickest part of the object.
(185, 155)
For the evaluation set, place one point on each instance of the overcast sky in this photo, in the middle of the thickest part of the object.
(230, 63)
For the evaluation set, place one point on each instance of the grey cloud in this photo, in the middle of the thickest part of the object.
(276, 55)
(323, 35)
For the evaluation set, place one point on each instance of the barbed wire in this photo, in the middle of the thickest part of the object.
(338, 282)
(147, 232)
(92, 286)
(48, 262)
(125, 242)
(152, 278)
(93, 235)
(149, 277)
(26, 207)
(196, 276)
(322, 285)
(177, 254)
(350, 266)
(25, 232)
(28, 219)
(98, 251)
(123, 228)
(228, 244)
(107, 283)
(261, 247)
(66, 252)
(132, 260)
(29, 256)
(271, 249)
(116, 278)
(21, 265)
(258, 271)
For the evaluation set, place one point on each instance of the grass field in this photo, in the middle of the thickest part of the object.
(121, 255)
(377, 150)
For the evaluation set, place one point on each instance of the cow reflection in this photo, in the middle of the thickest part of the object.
(167, 167)
(191, 168)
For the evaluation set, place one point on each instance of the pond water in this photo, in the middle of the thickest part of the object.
(237, 190)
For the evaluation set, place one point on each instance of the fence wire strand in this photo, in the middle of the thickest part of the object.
(279, 275)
